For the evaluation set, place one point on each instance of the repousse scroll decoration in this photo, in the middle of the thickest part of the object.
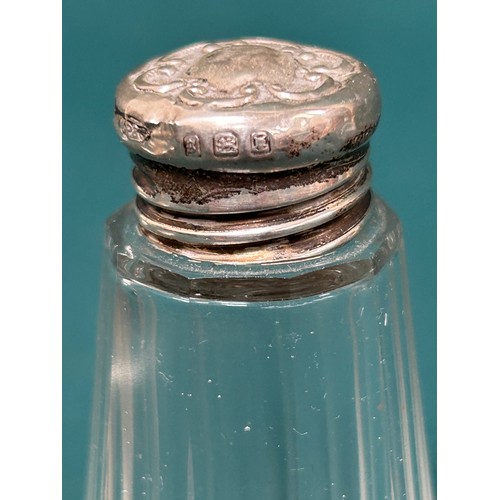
(234, 74)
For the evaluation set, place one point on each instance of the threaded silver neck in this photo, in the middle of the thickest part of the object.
(316, 209)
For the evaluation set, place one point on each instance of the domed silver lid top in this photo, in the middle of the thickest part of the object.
(250, 105)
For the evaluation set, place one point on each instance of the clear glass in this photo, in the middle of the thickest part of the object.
(311, 397)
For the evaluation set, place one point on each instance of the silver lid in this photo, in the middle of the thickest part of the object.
(251, 150)
(250, 105)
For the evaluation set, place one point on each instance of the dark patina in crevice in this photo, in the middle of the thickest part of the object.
(199, 186)
(291, 247)
(256, 289)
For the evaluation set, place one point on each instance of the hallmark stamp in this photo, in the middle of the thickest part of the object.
(226, 144)
(192, 145)
(133, 129)
(260, 142)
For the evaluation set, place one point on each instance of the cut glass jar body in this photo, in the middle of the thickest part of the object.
(292, 380)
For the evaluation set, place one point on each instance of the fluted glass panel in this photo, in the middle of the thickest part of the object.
(312, 398)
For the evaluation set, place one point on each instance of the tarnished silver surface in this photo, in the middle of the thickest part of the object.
(261, 226)
(309, 244)
(252, 150)
(201, 192)
(247, 105)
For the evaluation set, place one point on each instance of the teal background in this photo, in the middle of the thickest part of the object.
(102, 41)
